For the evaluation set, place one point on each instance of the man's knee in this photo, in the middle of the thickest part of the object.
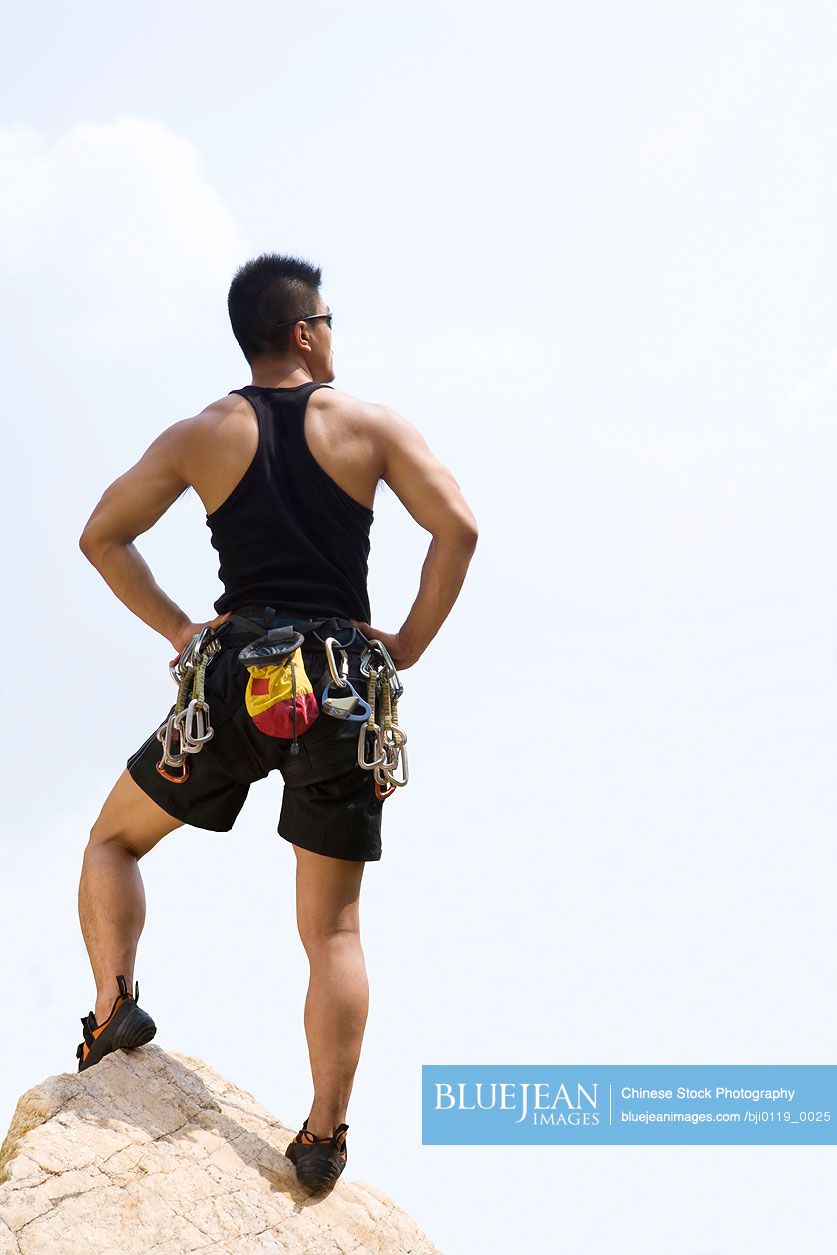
(328, 913)
(131, 819)
(104, 833)
(318, 934)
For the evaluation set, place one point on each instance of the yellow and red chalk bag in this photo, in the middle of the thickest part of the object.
(270, 697)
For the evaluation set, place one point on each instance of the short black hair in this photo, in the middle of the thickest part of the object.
(265, 291)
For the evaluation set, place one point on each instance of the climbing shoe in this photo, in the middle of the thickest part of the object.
(318, 1160)
(127, 1027)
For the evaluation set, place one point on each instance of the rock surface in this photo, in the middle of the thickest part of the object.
(152, 1151)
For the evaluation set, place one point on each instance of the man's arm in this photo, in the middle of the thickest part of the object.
(131, 505)
(429, 492)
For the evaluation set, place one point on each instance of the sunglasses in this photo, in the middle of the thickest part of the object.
(309, 318)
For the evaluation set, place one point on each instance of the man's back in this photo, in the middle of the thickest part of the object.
(287, 533)
(343, 433)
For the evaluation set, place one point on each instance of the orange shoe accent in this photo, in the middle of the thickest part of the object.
(100, 1028)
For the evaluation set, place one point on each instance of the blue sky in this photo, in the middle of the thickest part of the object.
(589, 252)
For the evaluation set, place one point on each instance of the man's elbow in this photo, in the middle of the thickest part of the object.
(93, 544)
(467, 524)
(470, 536)
(460, 532)
(87, 547)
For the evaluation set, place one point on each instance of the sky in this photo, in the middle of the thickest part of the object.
(589, 252)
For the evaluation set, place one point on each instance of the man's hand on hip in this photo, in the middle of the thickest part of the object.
(392, 643)
(181, 639)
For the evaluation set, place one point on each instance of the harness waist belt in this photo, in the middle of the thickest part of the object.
(251, 620)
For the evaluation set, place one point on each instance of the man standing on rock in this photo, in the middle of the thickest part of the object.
(286, 469)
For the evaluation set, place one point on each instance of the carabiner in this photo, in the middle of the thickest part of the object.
(195, 727)
(390, 769)
(164, 735)
(371, 729)
(380, 791)
(367, 670)
(340, 679)
(174, 779)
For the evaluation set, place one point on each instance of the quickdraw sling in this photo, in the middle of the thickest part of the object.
(187, 728)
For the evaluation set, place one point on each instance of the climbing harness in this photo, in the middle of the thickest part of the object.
(280, 696)
(187, 728)
(383, 691)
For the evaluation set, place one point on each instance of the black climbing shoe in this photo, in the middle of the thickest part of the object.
(127, 1027)
(318, 1160)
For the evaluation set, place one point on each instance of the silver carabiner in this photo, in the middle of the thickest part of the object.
(206, 639)
(366, 668)
(339, 679)
(195, 727)
(202, 645)
(361, 747)
(390, 769)
(164, 735)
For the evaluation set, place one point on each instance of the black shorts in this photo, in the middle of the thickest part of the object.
(329, 804)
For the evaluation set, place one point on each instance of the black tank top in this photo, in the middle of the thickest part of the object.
(288, 535)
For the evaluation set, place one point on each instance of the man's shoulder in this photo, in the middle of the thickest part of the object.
(215, 411)
(346, 405)
(327, 398)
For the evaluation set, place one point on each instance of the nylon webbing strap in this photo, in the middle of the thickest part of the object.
(305, 626)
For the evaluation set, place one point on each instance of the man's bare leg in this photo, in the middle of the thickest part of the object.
(337, 1003)
(111, 897)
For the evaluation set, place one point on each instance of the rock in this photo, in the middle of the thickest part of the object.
(152, 1151)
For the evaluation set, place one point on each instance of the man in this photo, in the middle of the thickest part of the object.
(286, 469)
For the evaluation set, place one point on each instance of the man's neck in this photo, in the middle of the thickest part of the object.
(279, 375)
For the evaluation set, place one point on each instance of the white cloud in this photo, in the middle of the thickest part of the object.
(114, 237)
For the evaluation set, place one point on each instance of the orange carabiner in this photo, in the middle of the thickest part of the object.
(381, 793)
(174, 779)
